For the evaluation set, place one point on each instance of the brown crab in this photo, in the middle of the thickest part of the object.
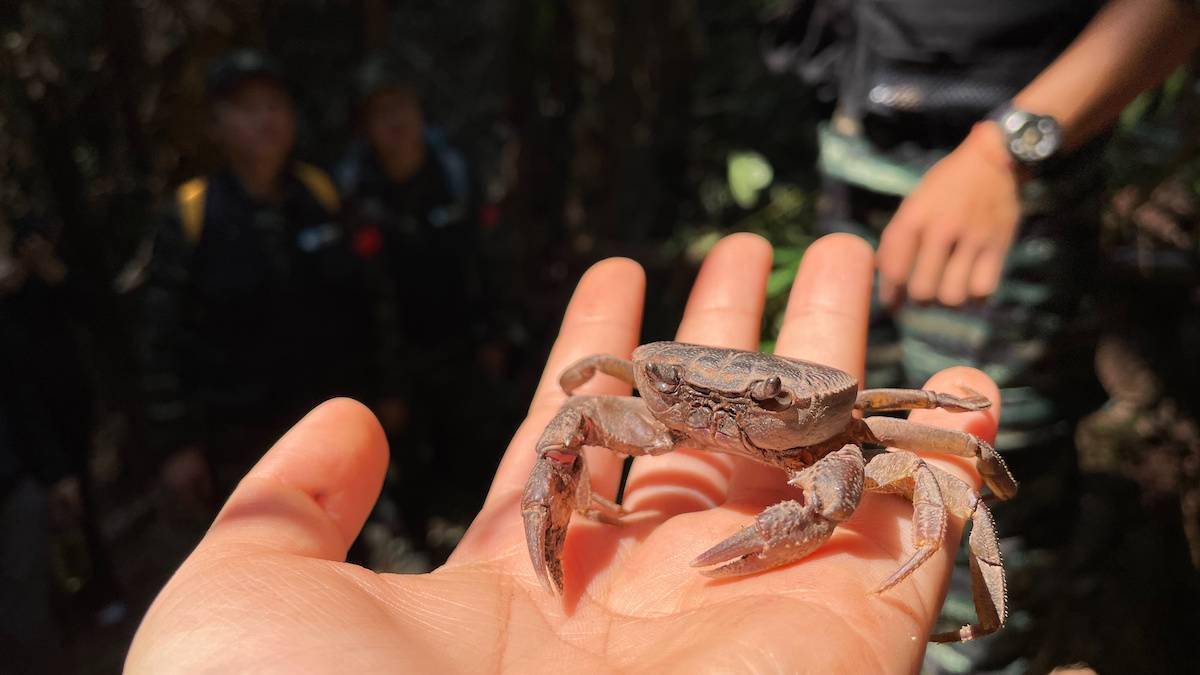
(795, 415)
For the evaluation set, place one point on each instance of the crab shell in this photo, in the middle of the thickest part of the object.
(777, 403)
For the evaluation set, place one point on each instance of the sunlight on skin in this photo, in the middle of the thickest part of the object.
(265, 592)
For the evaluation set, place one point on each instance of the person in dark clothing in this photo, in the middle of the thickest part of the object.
(42, 374)
(36, 467)
(966, 141)
(413, 209)
(254, 311)
(50, 546)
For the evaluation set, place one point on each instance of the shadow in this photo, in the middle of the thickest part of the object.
(591, 547)
(274, 508)
(706, 486)
(686, 492)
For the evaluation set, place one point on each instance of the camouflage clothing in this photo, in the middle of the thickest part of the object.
(1031, 336)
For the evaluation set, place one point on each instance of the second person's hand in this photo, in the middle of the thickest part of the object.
(948, 240)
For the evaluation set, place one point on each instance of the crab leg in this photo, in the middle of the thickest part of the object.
(920, 437)
(559, 484)
(584, 369)
(907, 474)
(790, 529)
(884, 400)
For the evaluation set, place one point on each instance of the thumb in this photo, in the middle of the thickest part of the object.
(311, 493)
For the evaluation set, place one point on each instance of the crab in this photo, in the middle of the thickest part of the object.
(787, 413)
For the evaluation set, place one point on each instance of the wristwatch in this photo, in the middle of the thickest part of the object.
(1031, 139)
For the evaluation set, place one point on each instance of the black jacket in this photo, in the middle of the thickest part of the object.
(423, 242)
(251, 310)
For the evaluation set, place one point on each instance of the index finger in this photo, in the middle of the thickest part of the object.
(603, 317)
(311, 492)
(897, 253)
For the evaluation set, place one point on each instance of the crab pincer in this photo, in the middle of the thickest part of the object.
(559, 483)
(782, 533)
(791, 529)
(546, 509)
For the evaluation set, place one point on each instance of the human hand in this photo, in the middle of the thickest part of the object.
(948, 240)
(38, 254)
(66, 501)
(188, 482)
(266, 590)
(13, 274)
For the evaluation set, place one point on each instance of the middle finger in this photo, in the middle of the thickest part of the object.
(825, 322)
(725, 309)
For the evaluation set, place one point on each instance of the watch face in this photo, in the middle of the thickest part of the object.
(1031, 138)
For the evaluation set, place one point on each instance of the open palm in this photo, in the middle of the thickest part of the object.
(267, 589)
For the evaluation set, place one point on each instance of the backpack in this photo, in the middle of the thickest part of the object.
(190, 197)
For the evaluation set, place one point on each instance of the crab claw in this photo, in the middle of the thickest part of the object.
(971, 403)
(994, 471)
(546, 509)
(781, 534)
(746, 541)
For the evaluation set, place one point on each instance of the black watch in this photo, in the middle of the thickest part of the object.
(1031, 139)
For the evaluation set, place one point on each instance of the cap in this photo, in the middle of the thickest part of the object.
(235, 67)
(381, 72)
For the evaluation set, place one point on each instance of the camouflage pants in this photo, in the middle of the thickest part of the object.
(1031, 337)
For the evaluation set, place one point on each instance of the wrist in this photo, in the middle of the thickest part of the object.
(986, 141)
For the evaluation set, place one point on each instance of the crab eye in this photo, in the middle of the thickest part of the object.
(777, 403)
(665, 377)
(763, 390)
(771, 396)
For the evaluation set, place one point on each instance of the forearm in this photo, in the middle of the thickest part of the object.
(52, 271)
(171, 414)
(1130, 46)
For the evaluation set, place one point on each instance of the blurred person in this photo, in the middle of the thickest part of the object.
(253, 307)
(413, 206)
(50, 547)
(967, 141)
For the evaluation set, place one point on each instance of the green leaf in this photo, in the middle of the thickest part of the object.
(748, 174)
(787, 257)
(780, 281)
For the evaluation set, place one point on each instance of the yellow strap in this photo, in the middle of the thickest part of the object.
(319, 184)
(190, 198)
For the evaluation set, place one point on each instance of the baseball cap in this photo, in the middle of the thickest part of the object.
(383, 72)
(235, 67)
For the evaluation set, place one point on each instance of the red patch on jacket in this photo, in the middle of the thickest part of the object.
(368, 241)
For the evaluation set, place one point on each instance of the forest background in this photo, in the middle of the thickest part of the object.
(597, 128)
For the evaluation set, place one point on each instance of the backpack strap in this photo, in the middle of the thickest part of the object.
(189, 199)
(319, 185)
(454, 167)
